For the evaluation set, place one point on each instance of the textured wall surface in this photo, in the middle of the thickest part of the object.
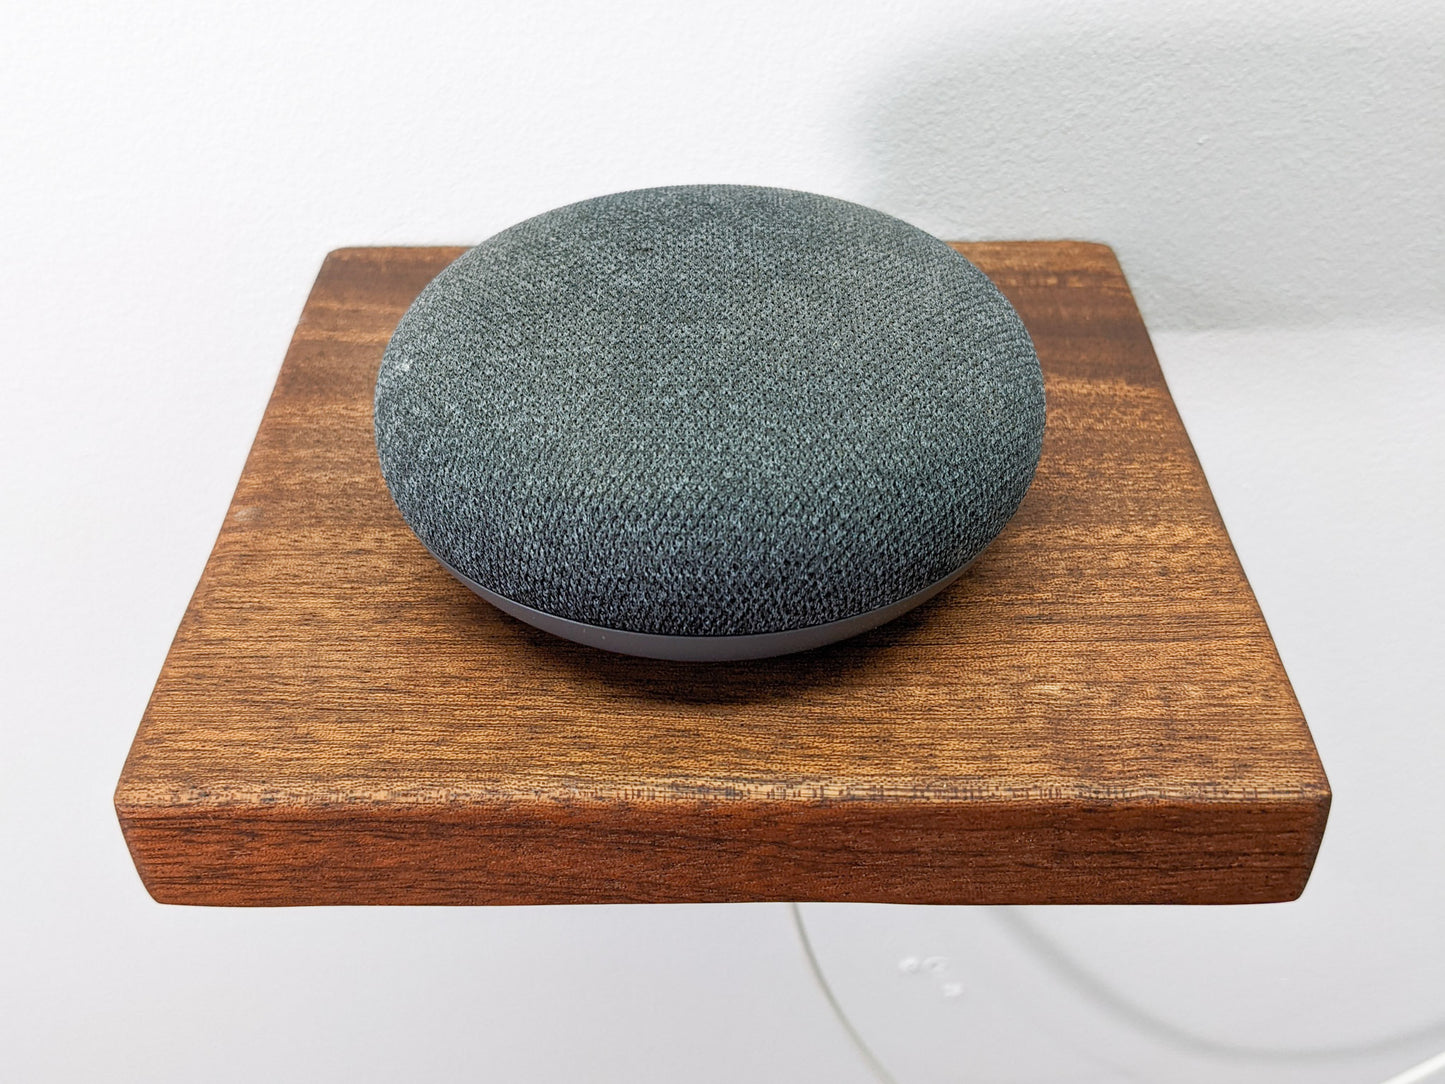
(1273, 177)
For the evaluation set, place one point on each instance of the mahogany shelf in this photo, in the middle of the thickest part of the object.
(1095, 713)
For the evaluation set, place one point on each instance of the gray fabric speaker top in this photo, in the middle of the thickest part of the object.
(709, 410)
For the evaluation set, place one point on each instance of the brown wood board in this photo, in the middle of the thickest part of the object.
(1094, 713)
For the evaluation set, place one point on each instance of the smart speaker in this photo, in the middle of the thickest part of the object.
(709, 421)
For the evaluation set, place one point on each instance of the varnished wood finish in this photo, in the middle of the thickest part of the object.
(1095, 713)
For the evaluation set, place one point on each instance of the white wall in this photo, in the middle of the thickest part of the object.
(170, 178)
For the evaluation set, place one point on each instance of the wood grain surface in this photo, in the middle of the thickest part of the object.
(1095, 713)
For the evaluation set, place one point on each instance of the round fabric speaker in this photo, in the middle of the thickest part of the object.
(710, 421)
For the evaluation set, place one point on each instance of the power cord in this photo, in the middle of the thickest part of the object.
(1098, 991)
(868, 1056)
(1101, 993)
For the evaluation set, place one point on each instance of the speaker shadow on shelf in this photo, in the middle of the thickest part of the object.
(857, 663)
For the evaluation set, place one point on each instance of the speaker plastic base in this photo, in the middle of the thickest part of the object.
(761, 645)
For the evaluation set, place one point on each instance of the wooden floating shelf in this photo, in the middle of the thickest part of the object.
(1095, 713)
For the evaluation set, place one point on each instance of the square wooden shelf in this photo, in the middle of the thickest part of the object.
(1095, 713)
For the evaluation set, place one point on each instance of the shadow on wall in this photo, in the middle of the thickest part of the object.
(1247, 172)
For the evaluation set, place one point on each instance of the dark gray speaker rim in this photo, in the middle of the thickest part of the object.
(650, 645)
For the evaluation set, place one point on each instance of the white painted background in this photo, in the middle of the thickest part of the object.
(170, 178)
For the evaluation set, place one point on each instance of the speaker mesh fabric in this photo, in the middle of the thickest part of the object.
(709, 410)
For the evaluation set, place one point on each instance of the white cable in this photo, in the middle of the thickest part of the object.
(1423, 1071)
(1099, 991)
(1419, 1074)
(868, 1056)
